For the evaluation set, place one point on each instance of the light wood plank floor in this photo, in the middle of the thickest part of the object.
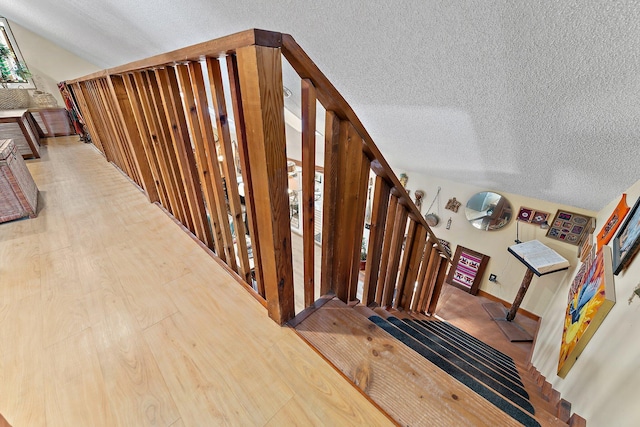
(111, 316)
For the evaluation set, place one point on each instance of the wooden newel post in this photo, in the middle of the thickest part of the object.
(526, 281)
(260, 76)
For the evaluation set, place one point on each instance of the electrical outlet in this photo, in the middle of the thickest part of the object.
(493, 278)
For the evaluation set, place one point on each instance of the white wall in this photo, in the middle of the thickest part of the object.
(48, 62)
(603, 384)
(495, 243)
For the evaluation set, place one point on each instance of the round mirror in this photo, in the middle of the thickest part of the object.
(488, 211)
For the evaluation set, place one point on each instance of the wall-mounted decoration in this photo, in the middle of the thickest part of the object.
(448, 227)
(488, 211)
(453, 205)
(467, 269)
(446, 245)
(614, 221)
(569, 227)
(532, 216)
(586, 248)
(431, 218)
(589, 303)
(404, 178)
(419, 195)
(627, 242)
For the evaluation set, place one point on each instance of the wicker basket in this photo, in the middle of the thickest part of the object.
(44, 99)
(12, 99)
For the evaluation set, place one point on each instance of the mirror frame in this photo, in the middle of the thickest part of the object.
(493, 213)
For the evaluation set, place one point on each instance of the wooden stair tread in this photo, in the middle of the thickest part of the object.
(544, 406)
(408, 387)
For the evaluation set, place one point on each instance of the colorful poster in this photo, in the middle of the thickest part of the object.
(591, 297)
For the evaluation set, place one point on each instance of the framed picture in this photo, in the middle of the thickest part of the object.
(627, 242)
(590, 299)
(532, 216)
(569, 227)
(467, 269)
(614, 221)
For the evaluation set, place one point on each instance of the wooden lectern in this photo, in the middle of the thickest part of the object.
(539, 260)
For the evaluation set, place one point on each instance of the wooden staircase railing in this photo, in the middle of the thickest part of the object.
(202, 131)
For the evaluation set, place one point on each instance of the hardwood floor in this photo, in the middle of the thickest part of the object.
(111, 316)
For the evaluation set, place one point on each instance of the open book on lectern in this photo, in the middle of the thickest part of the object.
(541, 258)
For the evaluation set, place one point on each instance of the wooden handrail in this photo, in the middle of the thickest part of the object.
(158, 122)
(332, 100)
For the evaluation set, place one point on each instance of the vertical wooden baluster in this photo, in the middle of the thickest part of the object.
(133, 137)
(96, 113)
(428, 279)
(166, 141)
(227, 252)
(121, 134)
(410, 272)
(241, 134)
(105, 133)
(146, 102)
(332, 139)
(111, 122)
(349, 202)
(193, 123)
(86, 114)
(145, 138)
(376, 239)
(434, 295)
(220, 108)
(186, 162)
(394, 257)
(191, 80)
(308, 186)
(386, 250)
(361, 207)
(110, 128)
(404, 263)
(260, 76)
(424, 265)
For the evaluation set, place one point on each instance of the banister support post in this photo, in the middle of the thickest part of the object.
(260, 78)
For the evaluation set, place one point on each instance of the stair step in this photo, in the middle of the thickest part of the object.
(480, 353)
(459, 357)
(409, 388)
(484, 355)
(564, 411)
(577, 421)
(511, 403)
(545, 408)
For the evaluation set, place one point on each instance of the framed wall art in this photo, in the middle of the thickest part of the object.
(590, 299)
(569, 227)
(614, 221)
(532, 216)
(467, 269)
(627, 242)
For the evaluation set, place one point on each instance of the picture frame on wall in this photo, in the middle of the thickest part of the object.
(613, 223)
(467, 269)
(569, 227)
(532, 216)
(627, 241)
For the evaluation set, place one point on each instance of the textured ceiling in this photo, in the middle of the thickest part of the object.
(535, 98)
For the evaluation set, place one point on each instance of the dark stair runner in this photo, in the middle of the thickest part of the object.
(494, 387)
(430, 328)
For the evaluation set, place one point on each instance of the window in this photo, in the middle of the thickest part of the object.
(13, 70)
